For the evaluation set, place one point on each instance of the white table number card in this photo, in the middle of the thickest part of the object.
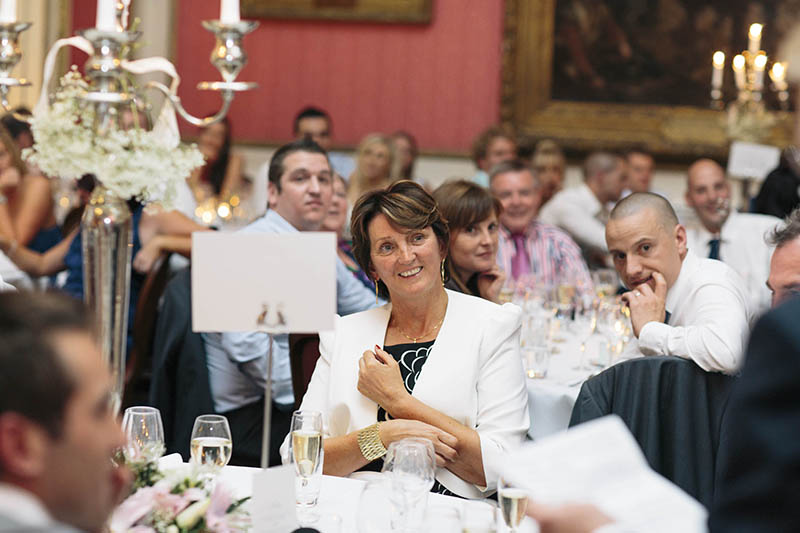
(281, 283)
(273, 503)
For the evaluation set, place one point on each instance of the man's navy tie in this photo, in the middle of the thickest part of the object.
(713, 245)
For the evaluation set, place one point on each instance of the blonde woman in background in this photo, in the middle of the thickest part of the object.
(549, 165)
(374, 164)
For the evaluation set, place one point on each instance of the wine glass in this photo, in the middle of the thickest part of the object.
(306, 452)
(211, 444)
(605, 283)
(412, 465)
(144, 434)
(513, 502)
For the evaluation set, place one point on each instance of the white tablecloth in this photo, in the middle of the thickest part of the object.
(340, 497)
(9, 273)
(550, 399)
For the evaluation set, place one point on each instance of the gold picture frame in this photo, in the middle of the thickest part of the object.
(679, 132)
(385, 11)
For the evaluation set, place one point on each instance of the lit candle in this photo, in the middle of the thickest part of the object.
(759, 65)
(8, 11)
(718, 62)
(229, 12)
(106, 15)
(778, 76)
(738, 71)
(754, 44)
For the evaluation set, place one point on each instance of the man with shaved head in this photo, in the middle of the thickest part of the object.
(582, 211)
(737, 239)
(680, 304)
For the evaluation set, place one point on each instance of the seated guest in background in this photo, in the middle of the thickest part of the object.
(549, 166)
(336, 221)
(26, 201)
(316, 124)
(471, 213)
(639, 176)
(58, 432)
(221, 176)
(680, 304)
(470, 401)
(582, 211)
(492, 146)
(784, 270)
(300, 191)
(779, 195)
(527, 247)
(405, 155)
(154, 233)
(374, 165)
(737, 239)
(19, 130)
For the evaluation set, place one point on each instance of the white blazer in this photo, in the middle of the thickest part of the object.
(474, 374)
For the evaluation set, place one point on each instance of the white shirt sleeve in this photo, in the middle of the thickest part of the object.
(714, 336)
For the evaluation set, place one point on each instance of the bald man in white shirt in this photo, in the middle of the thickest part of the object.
(737, 239)
(680, 304)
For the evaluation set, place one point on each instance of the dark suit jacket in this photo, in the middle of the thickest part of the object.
(673, 408)
(180, 388)
(760, 480)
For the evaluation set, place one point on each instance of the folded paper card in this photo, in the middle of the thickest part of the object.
(600, 463)
(278, 283)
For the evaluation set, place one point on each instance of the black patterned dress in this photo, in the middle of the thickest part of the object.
(411, 357)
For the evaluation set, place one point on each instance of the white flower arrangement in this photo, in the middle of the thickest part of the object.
(132, 163)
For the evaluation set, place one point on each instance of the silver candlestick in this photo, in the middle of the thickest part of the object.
(10, 55)
(228, 57)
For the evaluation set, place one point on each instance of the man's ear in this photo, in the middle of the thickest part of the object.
(24, 446)
(680, 240)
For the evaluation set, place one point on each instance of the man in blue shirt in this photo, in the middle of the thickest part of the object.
(300, 192)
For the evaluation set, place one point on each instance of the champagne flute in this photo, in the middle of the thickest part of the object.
(513, 502)
(306, 452)
(144, 434)
(211, 444)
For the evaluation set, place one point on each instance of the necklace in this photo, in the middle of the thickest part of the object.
(416, 339)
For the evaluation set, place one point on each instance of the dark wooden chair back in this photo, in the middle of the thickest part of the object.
(139, 365)
(303, 355)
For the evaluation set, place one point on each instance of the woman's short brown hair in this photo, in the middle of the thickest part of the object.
(464, 203)
(406, 205)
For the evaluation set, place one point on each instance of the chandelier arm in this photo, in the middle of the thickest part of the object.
(227, 97)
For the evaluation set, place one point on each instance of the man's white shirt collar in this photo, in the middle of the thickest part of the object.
(23, 507)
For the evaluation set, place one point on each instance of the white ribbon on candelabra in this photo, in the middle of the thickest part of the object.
(165, 127)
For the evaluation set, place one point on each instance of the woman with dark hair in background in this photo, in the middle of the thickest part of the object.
(471, 212)
(221, 176)
(405, 155)
(26, 196)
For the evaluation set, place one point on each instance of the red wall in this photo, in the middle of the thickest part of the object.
(439, 81)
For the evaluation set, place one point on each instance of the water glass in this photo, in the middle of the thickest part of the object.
(513, 502)
(411, 465)
(306, 453)
(211, 445)
(144, 434)
(537, 361)
(375, 508)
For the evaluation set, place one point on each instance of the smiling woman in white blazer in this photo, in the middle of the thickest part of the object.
(469, 398)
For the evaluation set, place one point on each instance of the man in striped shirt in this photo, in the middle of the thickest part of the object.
(530, 250)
